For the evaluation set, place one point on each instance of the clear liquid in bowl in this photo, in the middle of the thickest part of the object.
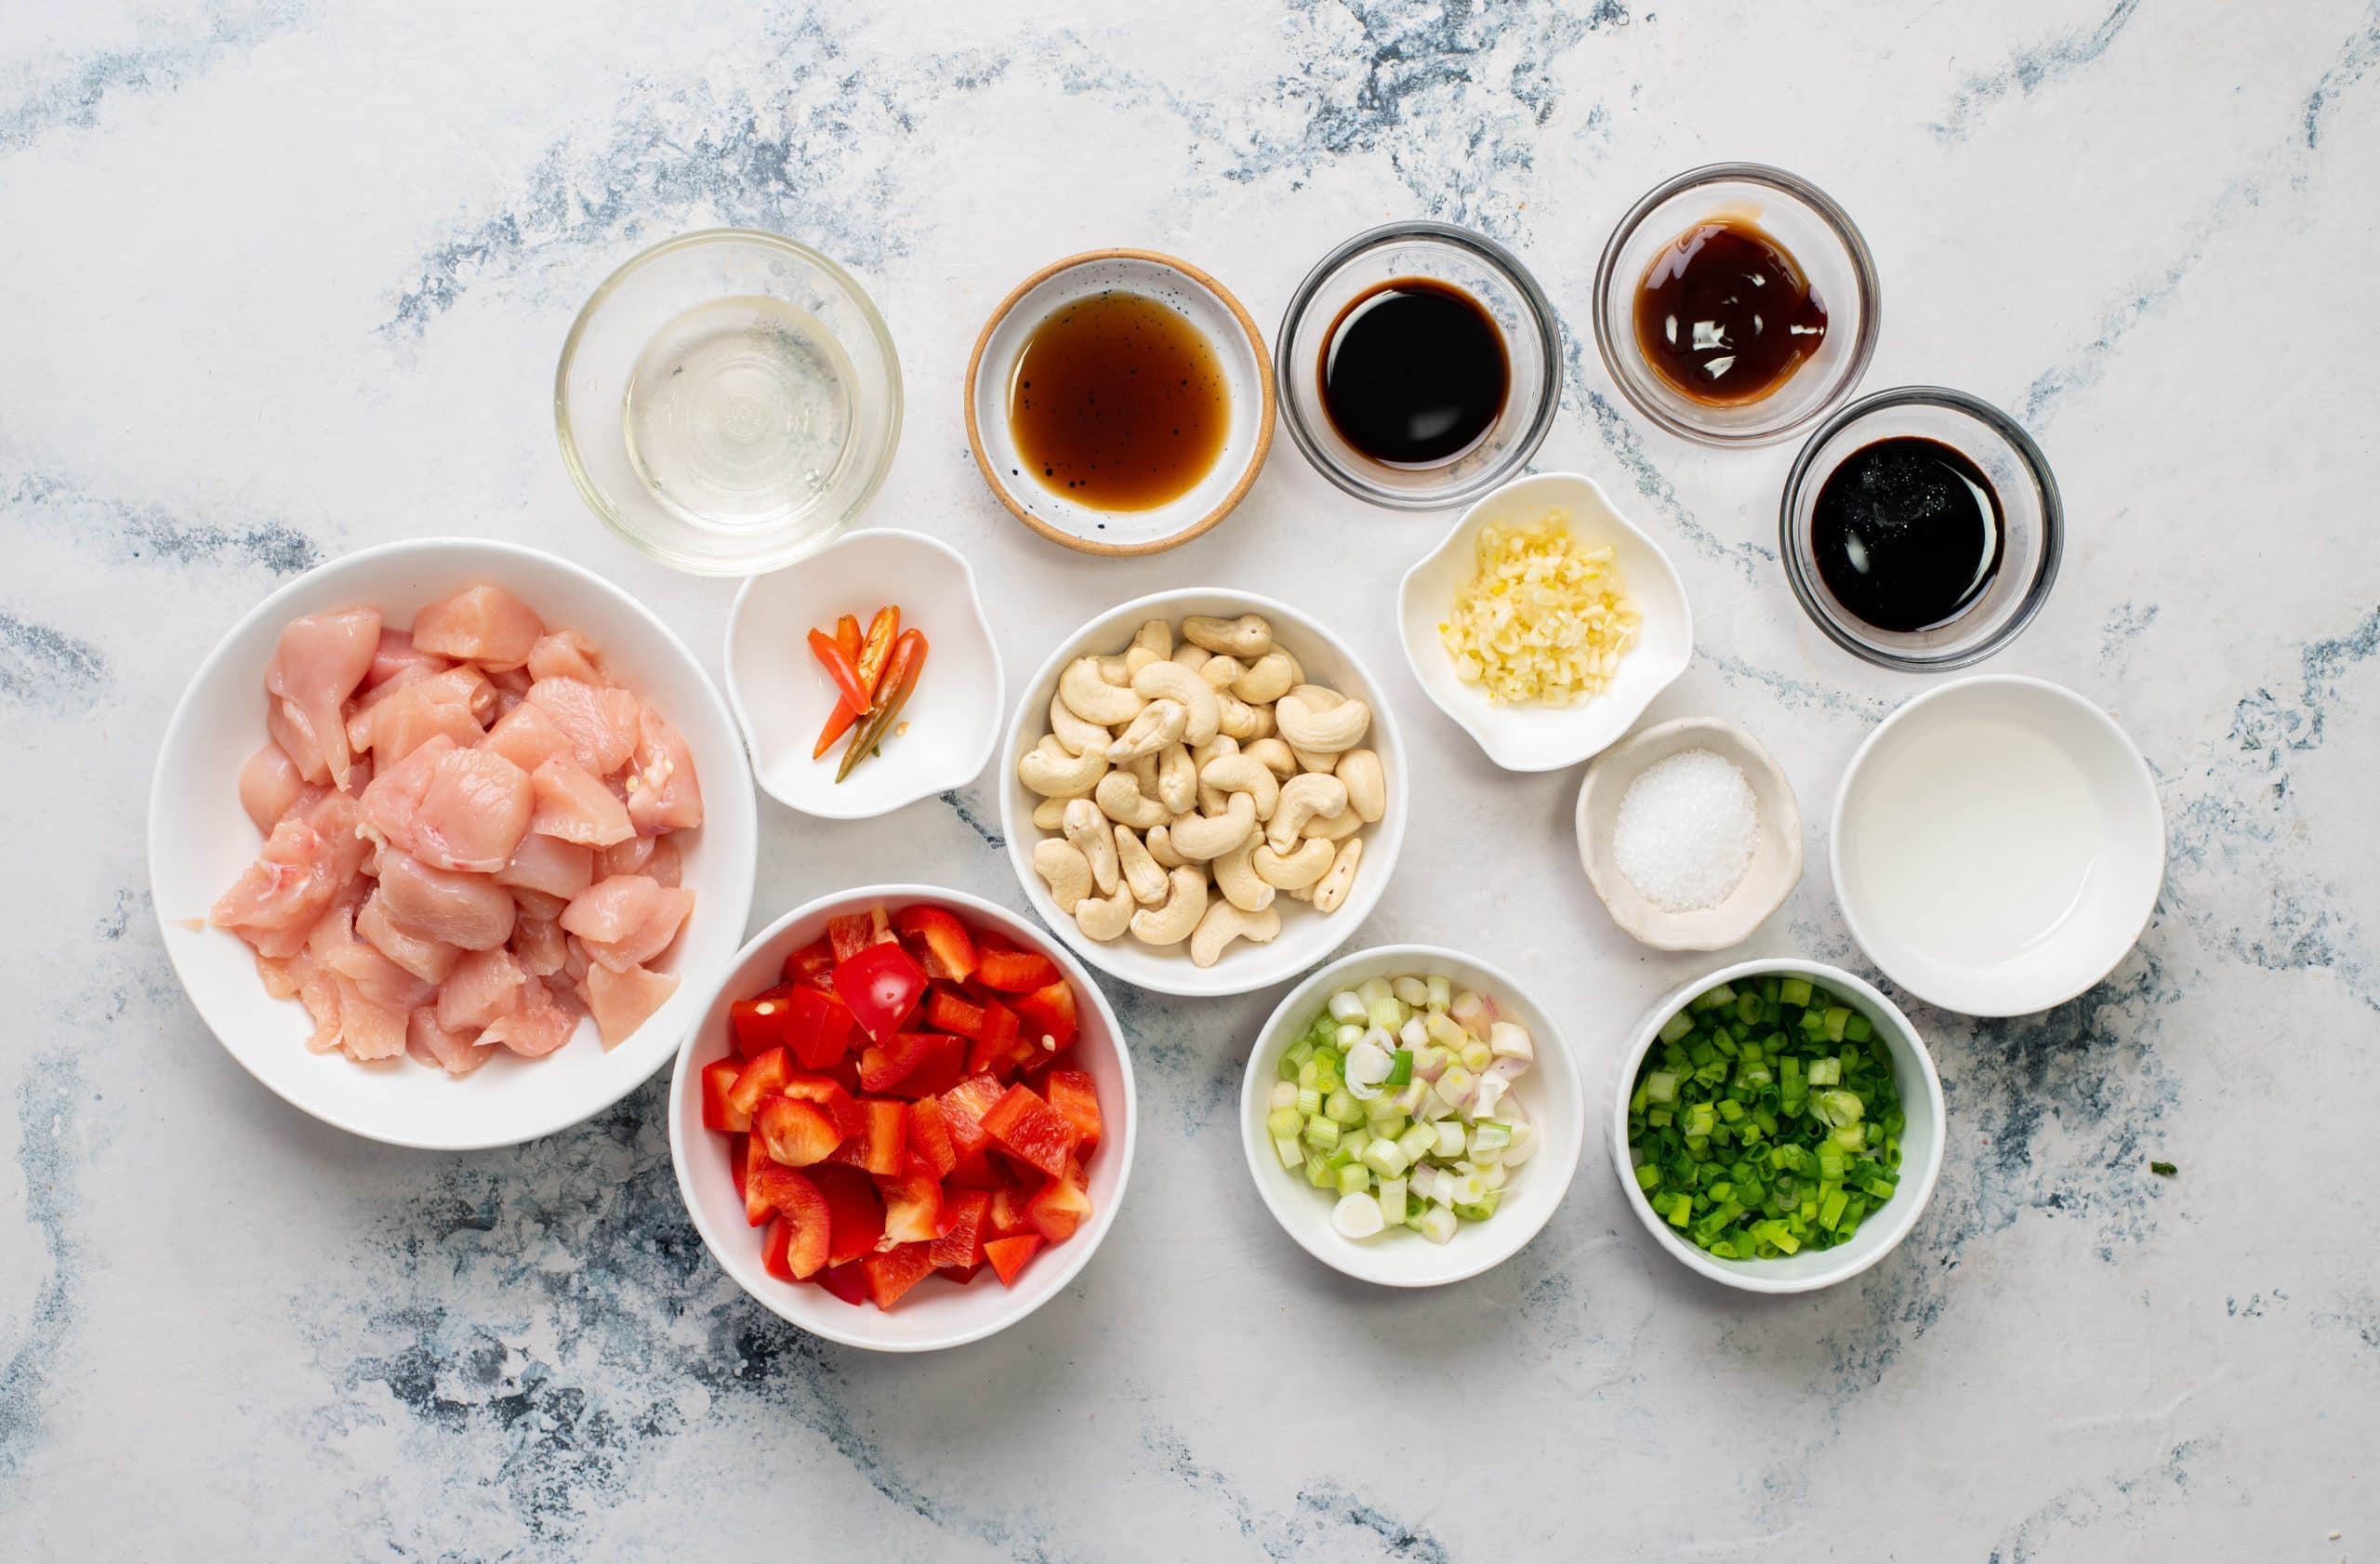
(739, 413)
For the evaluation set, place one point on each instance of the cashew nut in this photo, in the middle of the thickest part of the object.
(1089, 695)
(1211, 800)
(1333, 828)
(1160, 723)
(1325, 731)
(1247, 638)
(1115, 670)
(1265, 680)
(1367, 785)
(1306, 797)
(1142, 872)
(1220, 673)
(1080, 737)
(1143, 770)
(1208, 837)
(1177, 778)
(1237, 718)
(1238, 879)
(1309, 761)
(1174, 683)
(1223, 923)
(1190, 656)
(1275, 756)
(1050, 814)
(1184, 905)
(1152, 643)
(1139, 658)
(1048, 770)
(1066, 869)
(1293, 871)
(1160, 845)
(1106, 917)
(1122, 801)
(1331, 888)
(1243, 774)
(1089, 833)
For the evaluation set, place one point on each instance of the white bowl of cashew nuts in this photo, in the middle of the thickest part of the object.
(1213, 866)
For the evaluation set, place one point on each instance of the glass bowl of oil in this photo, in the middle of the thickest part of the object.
(728, 401)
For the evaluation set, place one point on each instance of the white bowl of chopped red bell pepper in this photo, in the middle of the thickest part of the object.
(906, 1120)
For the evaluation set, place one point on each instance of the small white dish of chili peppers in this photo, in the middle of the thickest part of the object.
(865, 677)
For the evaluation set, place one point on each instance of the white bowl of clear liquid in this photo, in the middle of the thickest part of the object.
(728, 401)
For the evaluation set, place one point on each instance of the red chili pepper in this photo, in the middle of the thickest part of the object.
(847, 635)
(880, 631)
(843, 668)
(900, 678)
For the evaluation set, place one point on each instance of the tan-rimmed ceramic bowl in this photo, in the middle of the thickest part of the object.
(1210, 306)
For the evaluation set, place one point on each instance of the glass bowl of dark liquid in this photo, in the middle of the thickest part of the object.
(1419, 366)
(1921, 528)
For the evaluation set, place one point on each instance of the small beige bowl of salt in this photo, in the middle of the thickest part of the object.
(1690, 834)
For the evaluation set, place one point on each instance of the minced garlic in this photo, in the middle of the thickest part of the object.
(1546, 618)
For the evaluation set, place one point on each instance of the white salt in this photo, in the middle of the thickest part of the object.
(1687, 830)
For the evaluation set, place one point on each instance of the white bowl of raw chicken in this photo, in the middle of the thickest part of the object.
(200, 840)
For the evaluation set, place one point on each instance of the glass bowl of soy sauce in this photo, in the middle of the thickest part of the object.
(1419, 366)
(1921, 528)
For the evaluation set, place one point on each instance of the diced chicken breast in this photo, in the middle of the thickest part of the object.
(455, 1053)
(294, 738)
(528, 737)
(627, 919)
(474, 813)
(396, 656)
(535, 1028)
(394, 724)
(334, 949)
(339, 821)
(269, 785)
(485, 625)
(430, 960)
(366, 1029)
(572, 805)
(320, 661)
(484, 986)
(600, 723)
(663, 792)
(394, 800)
(567, 654)
(625, 858)
(666, 864)
(275, 904)
(471, 912)
(539, 903)
(624, 1000)
(549, 866)
(539, 945)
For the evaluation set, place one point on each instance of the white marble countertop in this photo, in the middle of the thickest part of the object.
(287, 277)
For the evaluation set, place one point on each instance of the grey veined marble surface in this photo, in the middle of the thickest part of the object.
(286, 278)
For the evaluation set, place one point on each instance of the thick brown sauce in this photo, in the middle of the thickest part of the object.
(1414, 373)
(1117, 402)
(1725, 313)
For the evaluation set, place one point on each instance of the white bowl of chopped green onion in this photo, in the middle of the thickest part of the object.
(1777, 1125)
(1411, 1115)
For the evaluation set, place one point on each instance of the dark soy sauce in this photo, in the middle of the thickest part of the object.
(1119, 401)
(1414, 373)
(1726, 315)
(1907, 533)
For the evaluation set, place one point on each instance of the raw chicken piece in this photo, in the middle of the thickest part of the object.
(319, 993)
(430, 960)
(549, 866)
(528, 737)
(320, 661)
(339, 819)
(394, 800)
(573, 805)
(474, 813)
(380, 982)
(509, 681)
(485, 625)
(536, 1028)
(566, 654)
(367, 1030)
(269, 785)
(663, 792)
(627, 919)
(539, 904)
(467, 911)
(666, 864)
(284, 977)
(275, 905)
(484, 986)
(600, 723)
(538, 945)
(625, 858)
(290, 735)
(624, 1000)
(394, 724)
(396, 655)
(455, 1053)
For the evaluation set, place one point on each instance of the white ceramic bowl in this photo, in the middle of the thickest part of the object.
(200, 839)
(2009, 926)
(1239, 349)
(935, 1315)
(1920, 1139)
(782, 696)
(1549, 1092)
(1548, 738)
(1776, 865)
(1306, 937)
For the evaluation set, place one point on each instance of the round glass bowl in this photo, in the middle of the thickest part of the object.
(1820, 238)
(2033, 524)
(728, 401)
(1459, 258)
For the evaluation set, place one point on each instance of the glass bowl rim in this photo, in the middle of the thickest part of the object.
(2029, 456)
(1516, 456)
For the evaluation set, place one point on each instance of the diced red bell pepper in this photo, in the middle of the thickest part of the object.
(1059, 1206)
(964, 1108)
(1049, 1012)
(796, 1132)
(880, 1148)
(717, 1113)
(739, 1163)
(951, 1010)
(817, 1026)
(960, 1275)
(1015, 972)
(995, 1039)
(799, 1207)
(962, 1239)
(912, 1210)
(831, 1098)
(854, 1210)
(758, 1024)
(949, 953)
(883, 986)
(894, 1272)
(774, 1244)
(989, 938)
(978, 1170)
(918, 1064)
(847, 1281)
(1008, 1255)
(1074, 1098)
(756, 1201)
(1029, 1131)
(1006, 1216)
(930, 1137)
(813, 966)
(761, 1078)
(850, 935)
